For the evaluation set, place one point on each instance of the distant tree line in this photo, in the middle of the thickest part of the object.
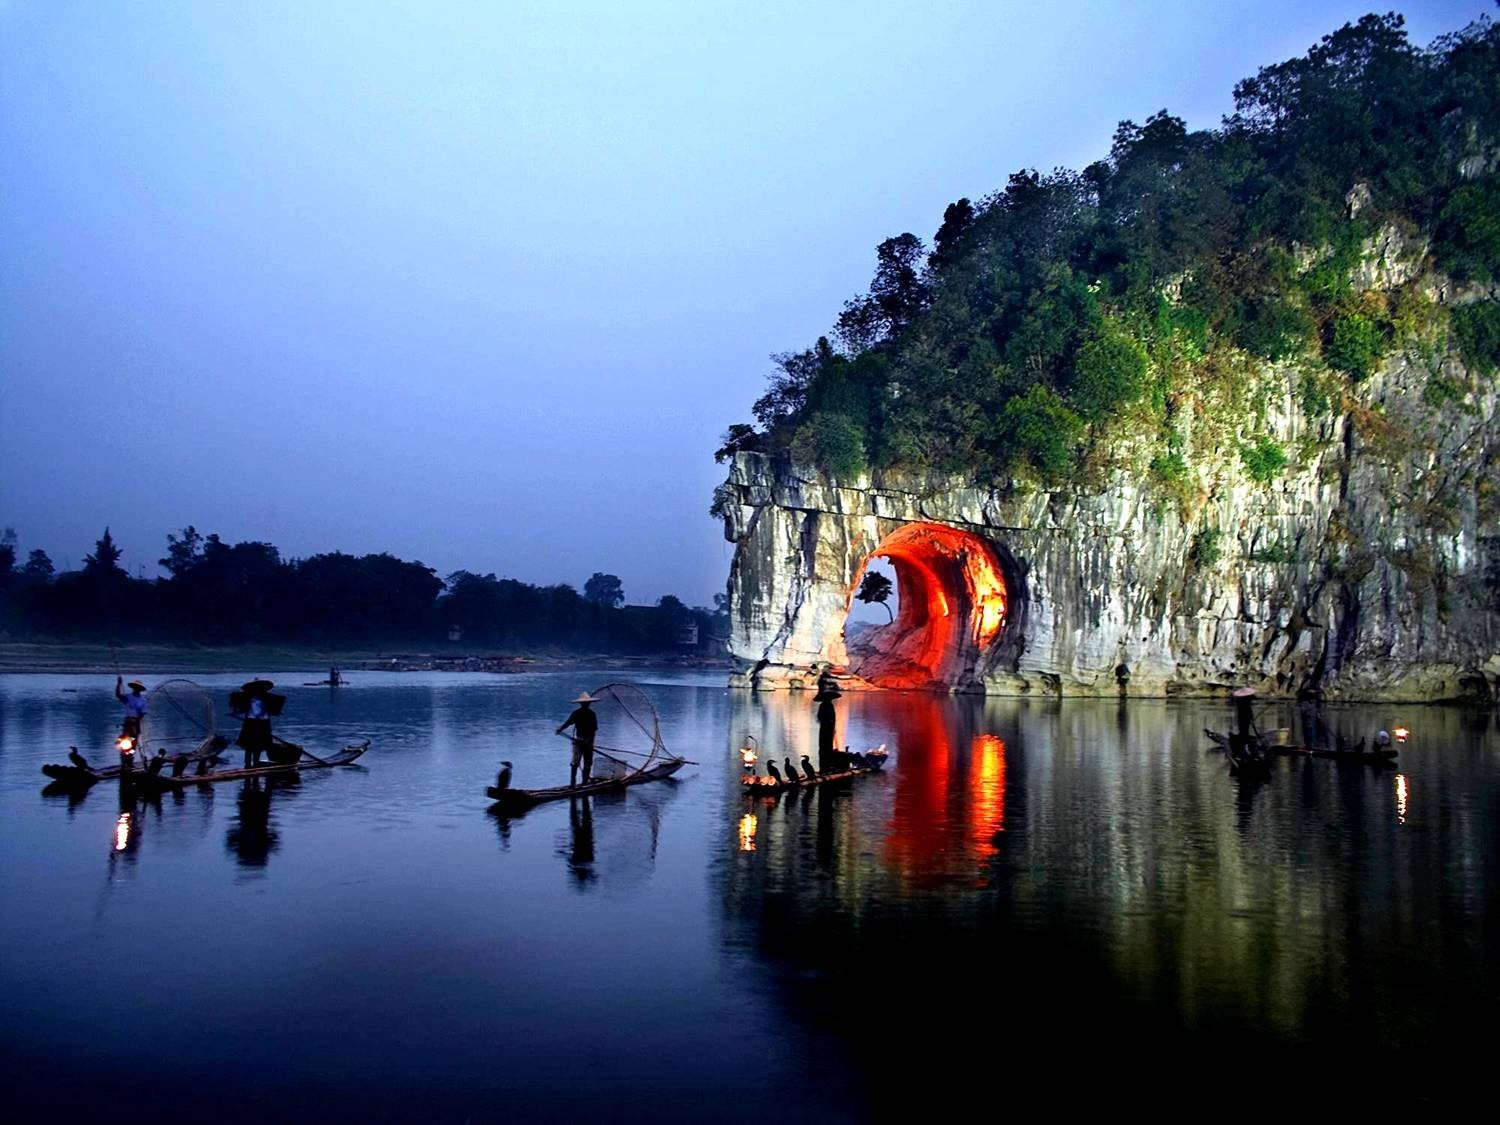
(236, 593)
(1072, 305)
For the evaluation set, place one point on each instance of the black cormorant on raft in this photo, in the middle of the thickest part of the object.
(628, 728)
(860, 765)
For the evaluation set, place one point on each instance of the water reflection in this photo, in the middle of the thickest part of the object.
(944, 797)
(252, 836)
(1021, 854)
(578, 849)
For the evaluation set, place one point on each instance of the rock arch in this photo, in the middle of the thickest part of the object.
(954, 605)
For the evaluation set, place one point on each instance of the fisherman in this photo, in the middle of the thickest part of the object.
(333, 677)
(255, 729)
(585, 725)
(826, 682)
(135, 707)
(830, 760)
(1245, 743)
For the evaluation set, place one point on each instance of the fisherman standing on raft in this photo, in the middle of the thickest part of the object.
(255, 731)
(830, 760)
(585, 725)
(135, 708)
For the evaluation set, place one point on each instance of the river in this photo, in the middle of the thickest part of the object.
(1025, 877)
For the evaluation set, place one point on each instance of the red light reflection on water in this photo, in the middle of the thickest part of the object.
(949, 804)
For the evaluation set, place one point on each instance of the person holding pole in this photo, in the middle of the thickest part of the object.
(585, 725)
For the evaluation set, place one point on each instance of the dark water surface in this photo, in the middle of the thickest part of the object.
(373, 944)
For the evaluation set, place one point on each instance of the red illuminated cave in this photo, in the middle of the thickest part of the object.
(953, 606)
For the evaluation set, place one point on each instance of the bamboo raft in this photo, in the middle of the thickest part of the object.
(159, 781)
(1357, 753)
(757, 786)
(515, 800)
(78, 777)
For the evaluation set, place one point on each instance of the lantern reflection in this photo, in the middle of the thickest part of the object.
(748, 825)
(986, 792)
(1401, 798)
(122, 831)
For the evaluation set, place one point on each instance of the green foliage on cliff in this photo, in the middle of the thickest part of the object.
(1264, 460)
(1477, 327)
(1355, 344)
(1067, 307)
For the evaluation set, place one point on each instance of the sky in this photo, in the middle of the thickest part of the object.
(481, 284)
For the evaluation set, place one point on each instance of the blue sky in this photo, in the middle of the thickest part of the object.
(481, 284)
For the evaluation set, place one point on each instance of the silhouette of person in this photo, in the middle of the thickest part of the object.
(585, 725)
(255, 727)
(830, 759)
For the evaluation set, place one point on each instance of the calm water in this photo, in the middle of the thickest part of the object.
(372, 943)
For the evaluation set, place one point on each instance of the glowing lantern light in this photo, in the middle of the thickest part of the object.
(748, 825)
(1401, 734)
(125, 743)
(748, 756)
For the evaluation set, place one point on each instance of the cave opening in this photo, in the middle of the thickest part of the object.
(948, 604)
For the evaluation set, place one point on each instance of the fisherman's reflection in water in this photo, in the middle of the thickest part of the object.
(251, 838)
(579, 848)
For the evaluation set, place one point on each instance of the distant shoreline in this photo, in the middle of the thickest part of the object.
(82, 659)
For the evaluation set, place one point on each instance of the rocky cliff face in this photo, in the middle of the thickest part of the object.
(1368, 568)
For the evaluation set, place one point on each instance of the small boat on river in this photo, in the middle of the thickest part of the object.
(861, 765)
(756, 786)
(629, 728)
(82, 776)
(514, 800)
(1375, 756)
(161, 781)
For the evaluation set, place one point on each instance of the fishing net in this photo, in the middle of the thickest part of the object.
(629, 735)
(179, 719)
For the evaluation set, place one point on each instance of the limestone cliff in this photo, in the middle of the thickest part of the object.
(1369, 568)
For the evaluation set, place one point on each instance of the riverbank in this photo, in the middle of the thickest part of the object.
(257, 659)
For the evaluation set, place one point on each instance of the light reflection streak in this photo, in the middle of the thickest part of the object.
(987, 792)
(122, 832)
(748, 825)
(1401, 793)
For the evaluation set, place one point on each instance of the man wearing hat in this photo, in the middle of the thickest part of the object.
(255, 730)
(135, 707)
(830, 760)
(585, 725)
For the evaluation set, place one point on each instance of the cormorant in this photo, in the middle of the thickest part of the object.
(502, 781)
(791, 770)
(774, 772)
(807, 768)
(78, 759)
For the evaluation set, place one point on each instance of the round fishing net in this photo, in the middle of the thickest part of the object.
(629, 736)
(179, 718)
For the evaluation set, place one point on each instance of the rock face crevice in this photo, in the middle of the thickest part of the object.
(1369, 569)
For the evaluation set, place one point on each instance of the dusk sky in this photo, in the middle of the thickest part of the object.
(482, 284)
